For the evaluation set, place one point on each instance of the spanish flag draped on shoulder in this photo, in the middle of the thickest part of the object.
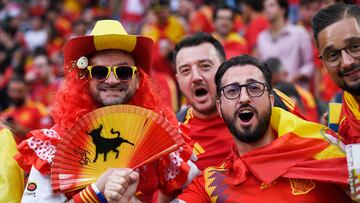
(303, 149)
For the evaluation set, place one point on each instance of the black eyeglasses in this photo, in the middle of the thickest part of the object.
(101, 73)
(253, 89)
(332, 58)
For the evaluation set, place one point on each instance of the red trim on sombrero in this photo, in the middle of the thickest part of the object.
(84, 46)
(77, 47)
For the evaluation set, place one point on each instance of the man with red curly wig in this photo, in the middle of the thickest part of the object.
(108, 67)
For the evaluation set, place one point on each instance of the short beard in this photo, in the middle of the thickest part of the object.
(248, 135)
(18, 102)
(355, 89)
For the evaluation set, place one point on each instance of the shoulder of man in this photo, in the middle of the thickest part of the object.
(181, 115)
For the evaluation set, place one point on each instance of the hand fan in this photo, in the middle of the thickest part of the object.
(110, 137)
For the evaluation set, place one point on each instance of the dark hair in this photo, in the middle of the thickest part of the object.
(306, 2)
(18, 78)
(256, 5)
(223, 7)
(241, 60)
(290, 90)
(197, 39)
(284, 5)
(332, 14)
(274, 64)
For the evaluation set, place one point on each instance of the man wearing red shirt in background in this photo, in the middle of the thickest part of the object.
(255, 21)
(197, 58)
(224, 20)
(24, 114)
(273, 159)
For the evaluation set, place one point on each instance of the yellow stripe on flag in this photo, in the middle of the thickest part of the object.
(285, 122)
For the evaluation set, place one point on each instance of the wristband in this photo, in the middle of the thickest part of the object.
(98, 193)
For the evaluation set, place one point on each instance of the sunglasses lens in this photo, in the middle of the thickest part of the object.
(124, 72)
(99, 72)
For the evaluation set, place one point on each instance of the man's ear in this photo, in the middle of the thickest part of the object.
(177, 78)
(218, 103)
(272, 100)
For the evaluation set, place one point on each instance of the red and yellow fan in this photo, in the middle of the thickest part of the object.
(110, 137)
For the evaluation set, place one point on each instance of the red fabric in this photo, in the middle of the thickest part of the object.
(270, 171)
(328, 88)
(212, 135)
(254, 191)
(31, 115)
(44, 93)
(202, 22)
(349, 128)
(253, 29)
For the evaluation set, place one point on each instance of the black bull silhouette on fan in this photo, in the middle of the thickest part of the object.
(105, 145)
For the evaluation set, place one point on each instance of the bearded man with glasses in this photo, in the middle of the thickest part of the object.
(337, 36)
(108, 67)
(277, 157)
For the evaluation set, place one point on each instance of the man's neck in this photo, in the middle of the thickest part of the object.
(205, 116)
(277, 26)
(244, 148)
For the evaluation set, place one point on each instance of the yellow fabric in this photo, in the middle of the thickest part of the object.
(353, 104)
(174, 30)
(106, 27)
(310, 100)
(287, 100)
(11, 176)
(285, 122)
(334, 112)
(110, 34)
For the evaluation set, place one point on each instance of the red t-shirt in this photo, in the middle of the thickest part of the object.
(253, 29)
(253, 190)
(210, 139)
(32, 115)
(287, 170)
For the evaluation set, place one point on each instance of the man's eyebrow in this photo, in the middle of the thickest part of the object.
(347, 41)
(198, 61)
(352, 39)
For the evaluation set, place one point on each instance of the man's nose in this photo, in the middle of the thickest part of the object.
(346, 59)
(243, 97)
(111, 78)
(196, 74)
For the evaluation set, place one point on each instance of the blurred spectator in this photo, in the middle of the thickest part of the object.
(203, 18)
(165, 30)
(232, 42)
(290, 43)
(256, 22)
(132, 14)
(42, 79)
(302, 97)
(24, 114)
(323, 87)
(187, 12)
(37, 36)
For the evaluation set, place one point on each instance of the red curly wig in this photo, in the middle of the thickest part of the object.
(73, 100)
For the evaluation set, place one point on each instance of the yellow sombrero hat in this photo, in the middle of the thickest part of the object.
(109, 34)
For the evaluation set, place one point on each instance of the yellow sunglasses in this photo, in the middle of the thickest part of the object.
(122, 72)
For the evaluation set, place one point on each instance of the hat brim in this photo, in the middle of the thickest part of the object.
(141, 48)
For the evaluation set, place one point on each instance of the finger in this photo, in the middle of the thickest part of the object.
(111, 195)
(115, 187)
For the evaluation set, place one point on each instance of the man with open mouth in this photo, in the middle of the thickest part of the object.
(277, 156)
(197, 59)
